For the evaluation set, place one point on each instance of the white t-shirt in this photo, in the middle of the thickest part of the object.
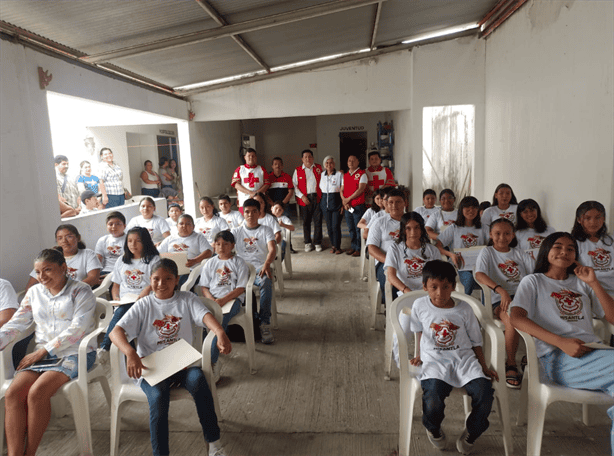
(505, 269)
(426, 213)
(271, 222)
(529, 239)
(598, 255)
(194, 244)
(440, 219)
(158, 323)
(493, 213)
(233, 219)
(133, 277)
(375, 217)
(563, 307)
(8, 297)
(285, 220)
(448, 338)
(252, 244)
(384, 233)
(110, 248)
(210, 228)
(223, 276)
(172, 225)
(409, 262)
(156, 226)
(79, 265)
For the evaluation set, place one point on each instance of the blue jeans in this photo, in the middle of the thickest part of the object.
(283, 250)
(352, 219)
(593, 371)
(435, 391)
(380, 274)
(119, 312)
(466, 278)
(115, 200)
(266, 296)
(333, 224)
(158, 397)
(153, 192)
(236, 307)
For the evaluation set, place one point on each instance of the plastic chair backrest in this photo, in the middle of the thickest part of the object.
(104, 286)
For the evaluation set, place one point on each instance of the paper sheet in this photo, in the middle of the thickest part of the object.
(180, 258)
(128, 298)
(168, 361)
(470, 256)
(598, 346)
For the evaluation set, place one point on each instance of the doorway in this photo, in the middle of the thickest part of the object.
(354, 143)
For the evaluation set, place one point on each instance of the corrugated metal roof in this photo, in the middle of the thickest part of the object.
(322, 36)
(93, 27)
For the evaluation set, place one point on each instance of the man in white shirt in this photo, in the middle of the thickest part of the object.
(255, 243)
(306, 181)
(68, 193)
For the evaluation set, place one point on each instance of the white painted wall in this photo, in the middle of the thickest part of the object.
(550, 107)
(402, 149)
(372, 85)
(28, 199)
(215, 156)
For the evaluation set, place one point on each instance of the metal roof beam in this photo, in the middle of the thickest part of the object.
(237, 38)
(329, 63)
(378, 13)
(231, 30)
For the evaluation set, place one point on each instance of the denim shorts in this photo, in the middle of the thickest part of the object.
(68, 366)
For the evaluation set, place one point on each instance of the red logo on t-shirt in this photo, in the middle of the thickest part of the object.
(134, 278)
(508, 216)
(72, 273)
(444, 333)
(600, 257)
(569, 304)
(223, 275)
(180, 247)
(469, 240)
(250, 244)
(394, 235)
(448, 222)
(536, 241)
(414, 266)
(114, 250)
(167, 328)
(510, 270)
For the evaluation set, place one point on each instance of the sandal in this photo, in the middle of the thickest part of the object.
(513, 380)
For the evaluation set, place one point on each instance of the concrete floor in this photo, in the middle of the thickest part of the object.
(319, 389)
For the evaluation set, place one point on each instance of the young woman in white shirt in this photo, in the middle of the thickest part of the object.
(63, 312)
(504, 205)
(556, 305)
(156, 225)
(440, 220)
(210, 223)
(531, 228)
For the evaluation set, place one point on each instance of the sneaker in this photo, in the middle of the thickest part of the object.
(217, 370)
(217, 449)
(462, 444)
(318, 248)
(266, 336)
(438, 442)
(308, 247)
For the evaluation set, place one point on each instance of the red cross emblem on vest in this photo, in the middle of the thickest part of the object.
(251, 180)
(376, 183)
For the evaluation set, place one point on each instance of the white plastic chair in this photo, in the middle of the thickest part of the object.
(388, 332)
(245, 318)
(487, 296)
(363, 254)
(536, 394)
(410, 389)
(194, 275)
(104, 286)
(76, 390)
(124, 389)
(278, 272)
(288, 256)
(375, 293)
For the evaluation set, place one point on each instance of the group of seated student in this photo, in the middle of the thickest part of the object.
(524, 262)
(59, 300)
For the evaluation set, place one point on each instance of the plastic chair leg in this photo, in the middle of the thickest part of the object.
(80, 409)
(535, 427)
(588, 413)
(388, 348)
(274, 309)
(288, 262)
(375, 305)
(521, 420)
(115, 427)
(504, 415)
(2, 425)
(408, 399)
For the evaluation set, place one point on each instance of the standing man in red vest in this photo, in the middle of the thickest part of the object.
(306, 181)
(353, 199)
(379, 176)
(249, 179)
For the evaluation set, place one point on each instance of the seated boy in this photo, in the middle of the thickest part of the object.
(89, 201)
(278, 211)
(255, 243)
(449, 350)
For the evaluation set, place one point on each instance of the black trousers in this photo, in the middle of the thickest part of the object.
(312, 212)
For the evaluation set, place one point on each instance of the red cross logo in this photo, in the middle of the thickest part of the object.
(251, 180)
(376, 183)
